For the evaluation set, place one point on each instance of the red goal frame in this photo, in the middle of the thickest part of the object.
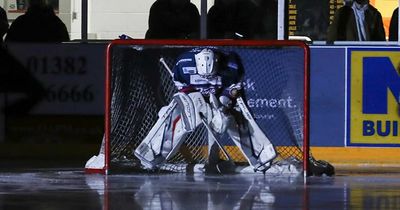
(277, 43)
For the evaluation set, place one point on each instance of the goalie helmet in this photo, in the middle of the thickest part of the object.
(205, 62)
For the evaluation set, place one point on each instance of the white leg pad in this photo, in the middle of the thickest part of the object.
(149, 150)
(251, 140)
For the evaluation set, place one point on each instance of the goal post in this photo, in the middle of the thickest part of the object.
(137, 85)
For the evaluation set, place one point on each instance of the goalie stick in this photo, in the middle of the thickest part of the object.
(223, 167)
(203, 120)
(162, 61)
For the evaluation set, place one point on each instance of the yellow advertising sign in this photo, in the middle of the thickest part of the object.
(373, 97)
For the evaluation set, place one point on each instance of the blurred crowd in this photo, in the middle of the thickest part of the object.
(356, 20)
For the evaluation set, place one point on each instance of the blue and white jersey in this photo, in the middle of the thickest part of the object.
(187, 79)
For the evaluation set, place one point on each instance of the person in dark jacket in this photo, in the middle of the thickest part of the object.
(359, 21)
(3, 23)
(232, 19)
(173, 19)
(38, 24)
(266, 22)
(394, 26)
(16, 78)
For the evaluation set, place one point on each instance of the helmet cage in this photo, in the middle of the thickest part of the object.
(205, 63)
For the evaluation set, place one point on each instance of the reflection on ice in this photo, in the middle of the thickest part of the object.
(73, 189)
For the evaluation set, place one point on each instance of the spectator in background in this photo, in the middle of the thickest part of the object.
(232, 19)
(173, 19)
(394, 26)
(312, 19)
(15, 78)
(3, 24)
(38, 24)
(267, 16)
(359, 21)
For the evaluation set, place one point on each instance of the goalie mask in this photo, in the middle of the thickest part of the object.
(205, 63)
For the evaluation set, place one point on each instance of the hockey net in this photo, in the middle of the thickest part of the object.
(138, 85)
